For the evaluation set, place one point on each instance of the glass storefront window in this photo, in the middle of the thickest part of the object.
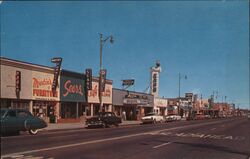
(68, 110)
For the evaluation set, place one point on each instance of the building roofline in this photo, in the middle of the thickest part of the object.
(9, 60)
(23, 62)
(132, 91)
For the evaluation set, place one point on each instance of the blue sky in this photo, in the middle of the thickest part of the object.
(208, 41)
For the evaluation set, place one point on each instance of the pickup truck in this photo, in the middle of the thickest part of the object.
(103, 119)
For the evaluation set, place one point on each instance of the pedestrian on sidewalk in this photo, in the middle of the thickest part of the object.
(124, 115)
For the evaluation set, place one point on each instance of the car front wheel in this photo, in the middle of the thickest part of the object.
(33, 131)
(154, 122)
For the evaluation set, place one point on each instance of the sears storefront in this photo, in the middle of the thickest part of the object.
(73, 97)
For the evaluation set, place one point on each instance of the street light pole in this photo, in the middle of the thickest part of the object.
(179, 104)
(180, 93)
(100, 93)
(102, 42)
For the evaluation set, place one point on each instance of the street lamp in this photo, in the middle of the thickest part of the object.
(185, 77)
(102, 42)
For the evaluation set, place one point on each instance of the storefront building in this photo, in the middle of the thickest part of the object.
(93, 97)
(172, 108)
(160, 106)
(28, 86)
(134, 105)
(73, 99)
(45, 101)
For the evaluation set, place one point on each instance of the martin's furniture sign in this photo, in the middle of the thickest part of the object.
(42, 87)
(72, 89)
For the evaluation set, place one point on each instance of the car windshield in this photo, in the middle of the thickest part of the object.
(150, 114)
(2, 112)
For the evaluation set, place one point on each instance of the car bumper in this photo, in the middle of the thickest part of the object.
(92, 124)
(146, 121)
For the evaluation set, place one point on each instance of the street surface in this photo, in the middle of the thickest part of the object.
(205, 139)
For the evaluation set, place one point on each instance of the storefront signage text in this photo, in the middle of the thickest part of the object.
(38, 83)
(41, 88)
(135, 96)
(135, 101)
(72, 88)
(94, 92)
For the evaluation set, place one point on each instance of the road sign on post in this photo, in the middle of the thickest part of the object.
(88, 73)
(102, 80)
(128, 82)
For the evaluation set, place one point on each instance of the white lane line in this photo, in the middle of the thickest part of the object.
(108, 139)
(155, 147)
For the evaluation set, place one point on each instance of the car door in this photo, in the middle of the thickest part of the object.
(10, 122)
(23, 119)
(108, 117)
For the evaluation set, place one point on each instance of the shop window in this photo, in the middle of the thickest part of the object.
(68, 110)
(20, 105)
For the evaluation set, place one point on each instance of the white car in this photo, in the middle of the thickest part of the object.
(152, 118)
(173, 118)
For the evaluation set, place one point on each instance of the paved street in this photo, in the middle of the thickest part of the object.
(223, 138)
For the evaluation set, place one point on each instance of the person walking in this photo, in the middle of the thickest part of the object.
(124, 115)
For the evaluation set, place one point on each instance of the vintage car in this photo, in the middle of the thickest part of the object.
(103, 119)
(152, 118)
(170, 118)
(16, 120)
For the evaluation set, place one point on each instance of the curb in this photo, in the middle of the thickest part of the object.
(84, 127)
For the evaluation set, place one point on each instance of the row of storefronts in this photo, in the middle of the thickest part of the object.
(70, 100)
(29, 86)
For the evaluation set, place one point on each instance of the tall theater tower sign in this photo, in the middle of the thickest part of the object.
(154, 86)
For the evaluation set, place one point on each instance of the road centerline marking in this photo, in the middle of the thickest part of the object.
(164, 144)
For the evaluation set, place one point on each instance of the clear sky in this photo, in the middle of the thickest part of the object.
(208, 41)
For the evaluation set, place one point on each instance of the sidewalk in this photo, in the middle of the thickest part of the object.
(80, 125)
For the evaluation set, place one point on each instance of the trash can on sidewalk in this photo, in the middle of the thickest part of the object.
(52, 119)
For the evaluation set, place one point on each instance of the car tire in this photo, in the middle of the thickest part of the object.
(105, 125)
(154, 122)
(33, 131)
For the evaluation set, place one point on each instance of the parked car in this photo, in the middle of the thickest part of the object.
(199, 117)
(173, 118)
(152, 118)
(207, 116)
(16, 120)
(103, 119)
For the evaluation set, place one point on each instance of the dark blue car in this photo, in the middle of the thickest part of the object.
(16, 120)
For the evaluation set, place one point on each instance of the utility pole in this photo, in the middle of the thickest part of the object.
(102, 72)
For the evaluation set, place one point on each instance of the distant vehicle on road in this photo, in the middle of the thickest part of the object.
(16, 120)
(103, 119)
(207, 116)
(152, 118)
(199, 117)
(170, 118)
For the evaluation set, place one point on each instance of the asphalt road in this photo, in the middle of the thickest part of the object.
(206, 139)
